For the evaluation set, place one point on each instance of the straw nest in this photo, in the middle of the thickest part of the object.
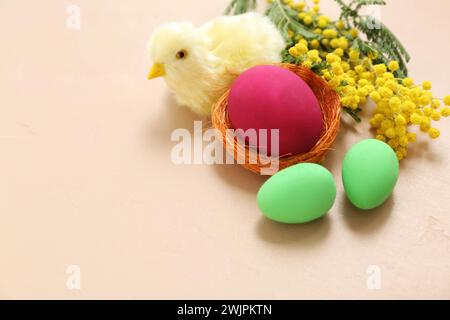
(248, 156)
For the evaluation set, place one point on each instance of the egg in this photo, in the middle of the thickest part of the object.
(369, 173)
(298, 194)
(271, 97)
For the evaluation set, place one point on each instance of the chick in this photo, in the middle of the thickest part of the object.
(199, 64)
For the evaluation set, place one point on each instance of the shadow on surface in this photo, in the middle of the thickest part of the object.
(308, 235)
(366, 222)
(238, 177)
(159, 128)
(174, 116)
(422, 149)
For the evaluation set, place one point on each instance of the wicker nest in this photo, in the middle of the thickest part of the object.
(331, 109)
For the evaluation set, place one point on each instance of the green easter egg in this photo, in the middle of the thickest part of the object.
(370, 173)
(299, 194)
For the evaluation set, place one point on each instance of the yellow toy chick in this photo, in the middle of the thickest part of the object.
(199, 64)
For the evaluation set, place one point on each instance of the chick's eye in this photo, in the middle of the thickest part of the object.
(181, 54)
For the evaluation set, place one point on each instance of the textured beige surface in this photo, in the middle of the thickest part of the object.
(86, 177)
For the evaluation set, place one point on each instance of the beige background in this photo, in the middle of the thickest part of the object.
(86, 177)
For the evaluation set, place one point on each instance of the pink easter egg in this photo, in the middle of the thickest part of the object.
(270, 97)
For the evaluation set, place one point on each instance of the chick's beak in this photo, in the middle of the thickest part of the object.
(157, 71)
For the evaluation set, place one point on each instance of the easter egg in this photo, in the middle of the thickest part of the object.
(369, 173)
(298, 194)
(271, 97)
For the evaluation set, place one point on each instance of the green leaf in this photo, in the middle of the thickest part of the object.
(362, 3)
(240, 6)
(385, 42)
(353, 113)
(319, 67)
(379, 37)
(286, 19)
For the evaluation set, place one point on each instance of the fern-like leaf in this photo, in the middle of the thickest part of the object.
(378, 34)
(240, 6)
(385, 42)
(286, 19)
(363, 3)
